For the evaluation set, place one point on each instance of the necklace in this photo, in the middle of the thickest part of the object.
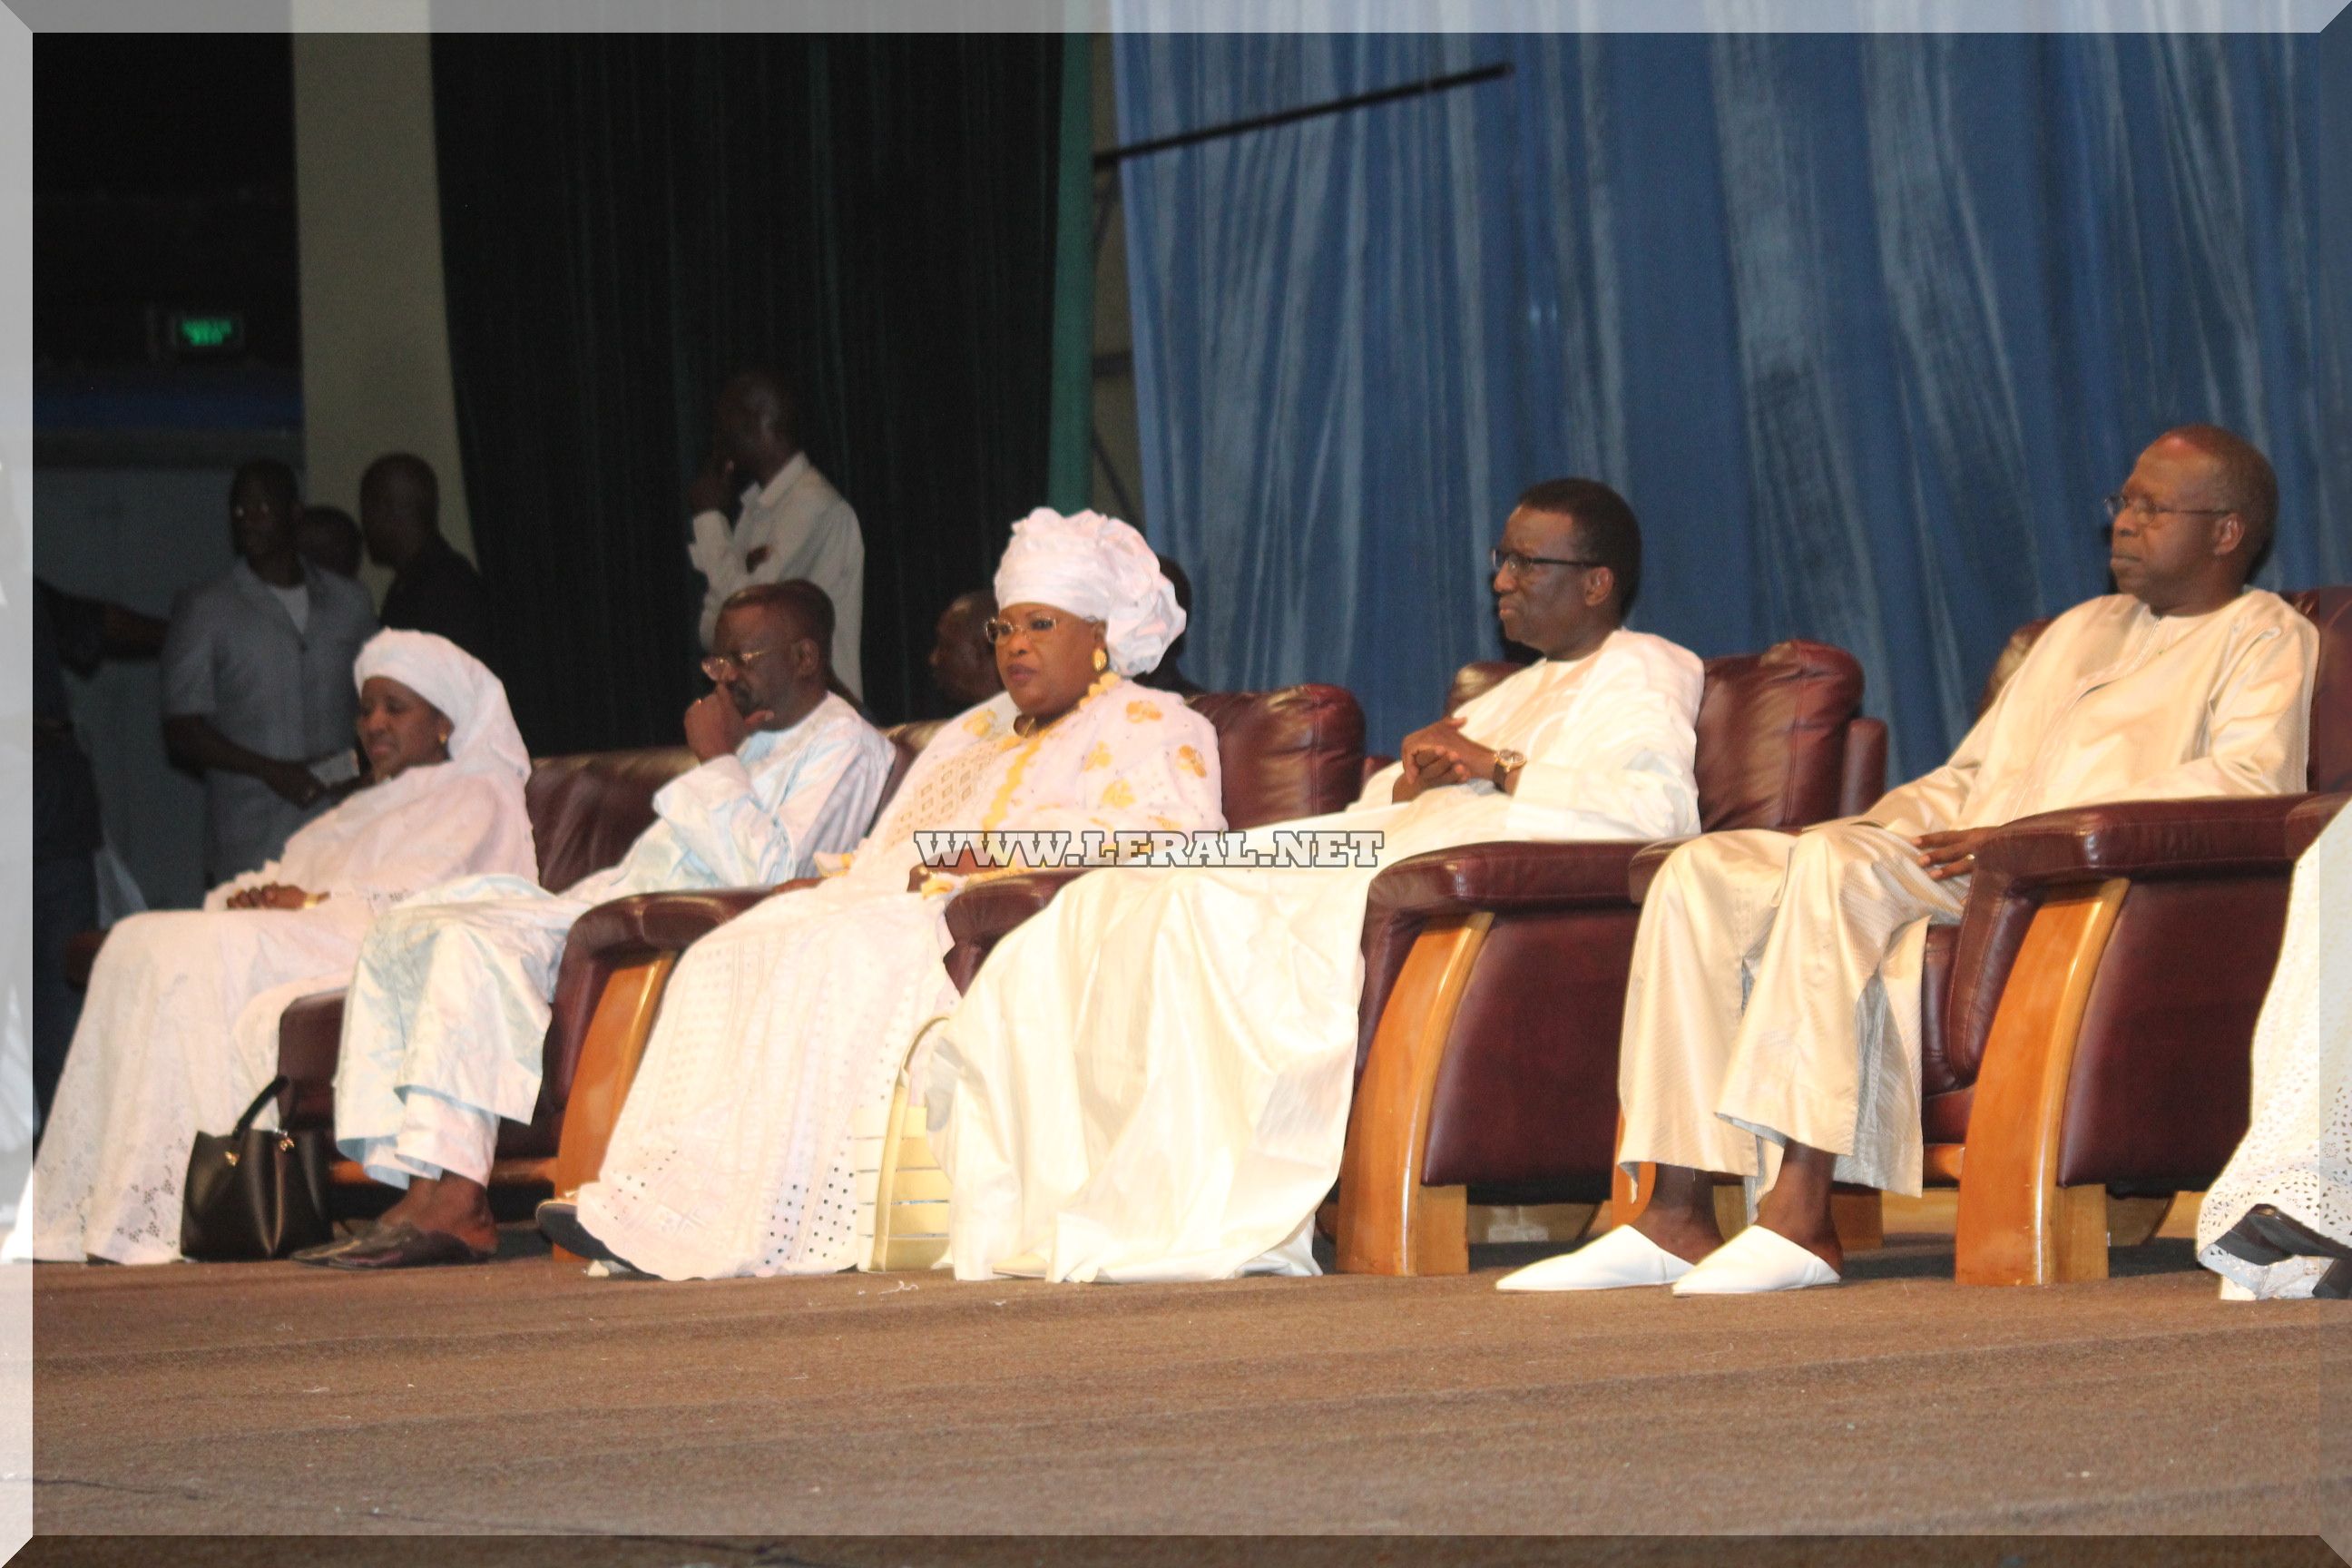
(1027, 727)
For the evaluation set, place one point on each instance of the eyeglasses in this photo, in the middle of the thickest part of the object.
(718, 665)
(1035, 626)
(2141, 508)
(1517, 564)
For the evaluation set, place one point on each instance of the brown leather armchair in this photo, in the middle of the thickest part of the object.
(586, 811)
(1282, 755)
(2088, 1022)
(1494, 974)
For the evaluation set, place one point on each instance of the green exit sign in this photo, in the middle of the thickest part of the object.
(199, 334)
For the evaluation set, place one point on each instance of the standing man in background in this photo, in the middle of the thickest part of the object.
(792, 522)
(327, 536)
(257, 679)
(434, 588)
(962, 661)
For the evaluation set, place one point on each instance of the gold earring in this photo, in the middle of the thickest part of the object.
(1102, 661)
(445, 737)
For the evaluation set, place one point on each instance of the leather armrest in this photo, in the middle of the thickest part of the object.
(984, 914)
(985, 911)
(1510, 878)
(2309, 820)
(1504, 877)
(658, 922)
(1642, 869)
(309, 1038)
(2146, 838)
(608, 937)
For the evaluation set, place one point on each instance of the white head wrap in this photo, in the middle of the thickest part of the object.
(1098, 567)
(483, 737)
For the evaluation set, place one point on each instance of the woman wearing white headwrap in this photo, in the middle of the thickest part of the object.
(733, 1155)
(179, 1029)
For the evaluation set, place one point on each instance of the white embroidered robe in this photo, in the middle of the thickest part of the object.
(179, 1029)
(1150, 1079)
(732, 1156)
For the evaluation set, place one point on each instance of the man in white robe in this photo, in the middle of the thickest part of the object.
(792, 523)
(1772, 1017)
(1150, 1079)
(443, 1027)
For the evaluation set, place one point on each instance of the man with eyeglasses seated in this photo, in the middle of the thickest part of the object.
(447, 1014)
(1772, 1020)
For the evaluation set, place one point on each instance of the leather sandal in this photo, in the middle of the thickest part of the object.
(406, 1246)
(354, 1232)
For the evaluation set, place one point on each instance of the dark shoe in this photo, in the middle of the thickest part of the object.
(406, 1246)
(2244, 1243)
(355, 1232)
(2336, 1285)
(2290, 1235)
(559, 1221)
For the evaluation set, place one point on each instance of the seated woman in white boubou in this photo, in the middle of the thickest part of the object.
(180, 1030)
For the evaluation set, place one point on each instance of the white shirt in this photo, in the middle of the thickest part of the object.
(297, 601)
(799, 526)
(759, 814)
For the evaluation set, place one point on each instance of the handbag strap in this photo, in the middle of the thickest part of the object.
(245, 1122)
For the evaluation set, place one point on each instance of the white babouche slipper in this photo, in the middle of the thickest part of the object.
(1755, 1261)
(1622, 1258)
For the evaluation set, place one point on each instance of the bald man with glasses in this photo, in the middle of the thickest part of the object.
(1772, 1021)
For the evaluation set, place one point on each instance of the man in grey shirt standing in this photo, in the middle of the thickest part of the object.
(257, 679)
(792, 523)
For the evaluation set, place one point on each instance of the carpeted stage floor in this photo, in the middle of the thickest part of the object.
(518, 1397)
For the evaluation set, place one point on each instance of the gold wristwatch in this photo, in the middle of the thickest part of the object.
(1507, 763)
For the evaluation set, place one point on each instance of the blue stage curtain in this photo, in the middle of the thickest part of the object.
(1863, 328)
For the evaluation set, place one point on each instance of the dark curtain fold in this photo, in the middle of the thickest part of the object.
(627, 219)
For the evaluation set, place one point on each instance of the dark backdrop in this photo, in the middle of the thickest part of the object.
(626, 220)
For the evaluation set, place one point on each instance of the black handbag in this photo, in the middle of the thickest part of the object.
(252, 1195)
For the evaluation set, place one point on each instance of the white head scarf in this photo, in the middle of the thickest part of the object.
(1098, 567)
(482, 736)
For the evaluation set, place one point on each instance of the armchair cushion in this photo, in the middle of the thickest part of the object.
(1772, 735)
(587, 809)
(1285, 754)
(1513, 877)
(309, 1034)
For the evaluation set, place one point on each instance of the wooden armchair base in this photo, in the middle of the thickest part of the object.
(2017, 1225)
(1388, 1222)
